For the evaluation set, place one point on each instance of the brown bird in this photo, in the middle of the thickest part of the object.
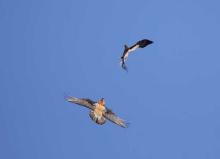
(98, 111)
(140, 44)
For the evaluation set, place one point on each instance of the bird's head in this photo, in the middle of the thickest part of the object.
(102, 102)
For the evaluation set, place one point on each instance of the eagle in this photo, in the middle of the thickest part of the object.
(98, 111)
(140, 44)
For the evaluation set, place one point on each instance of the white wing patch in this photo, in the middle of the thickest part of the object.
(126, 56)
(134, 48)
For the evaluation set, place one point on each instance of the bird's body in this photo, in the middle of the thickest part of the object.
(98, 111)
(140, 44)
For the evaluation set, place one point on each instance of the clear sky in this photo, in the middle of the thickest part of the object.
(170, 95)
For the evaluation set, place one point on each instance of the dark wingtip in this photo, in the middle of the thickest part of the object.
(148, 42)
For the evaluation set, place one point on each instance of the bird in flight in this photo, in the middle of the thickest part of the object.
(140, 44)
(98, 111)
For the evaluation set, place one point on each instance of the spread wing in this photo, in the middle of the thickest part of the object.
(143, 43)
(88, 103)
(115, 119)
(140, 44)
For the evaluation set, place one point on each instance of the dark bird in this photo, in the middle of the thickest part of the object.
(140, 44)
(98, 111)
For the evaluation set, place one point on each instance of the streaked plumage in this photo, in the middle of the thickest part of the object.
(140, 44)
(98, 111)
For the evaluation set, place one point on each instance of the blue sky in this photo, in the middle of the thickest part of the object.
(170, 94)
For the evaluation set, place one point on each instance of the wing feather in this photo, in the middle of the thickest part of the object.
(115, 119)
(88, 103)
(143, 43)
(134, 47)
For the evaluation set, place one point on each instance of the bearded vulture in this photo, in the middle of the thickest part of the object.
(98, 111)
(140, 44)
